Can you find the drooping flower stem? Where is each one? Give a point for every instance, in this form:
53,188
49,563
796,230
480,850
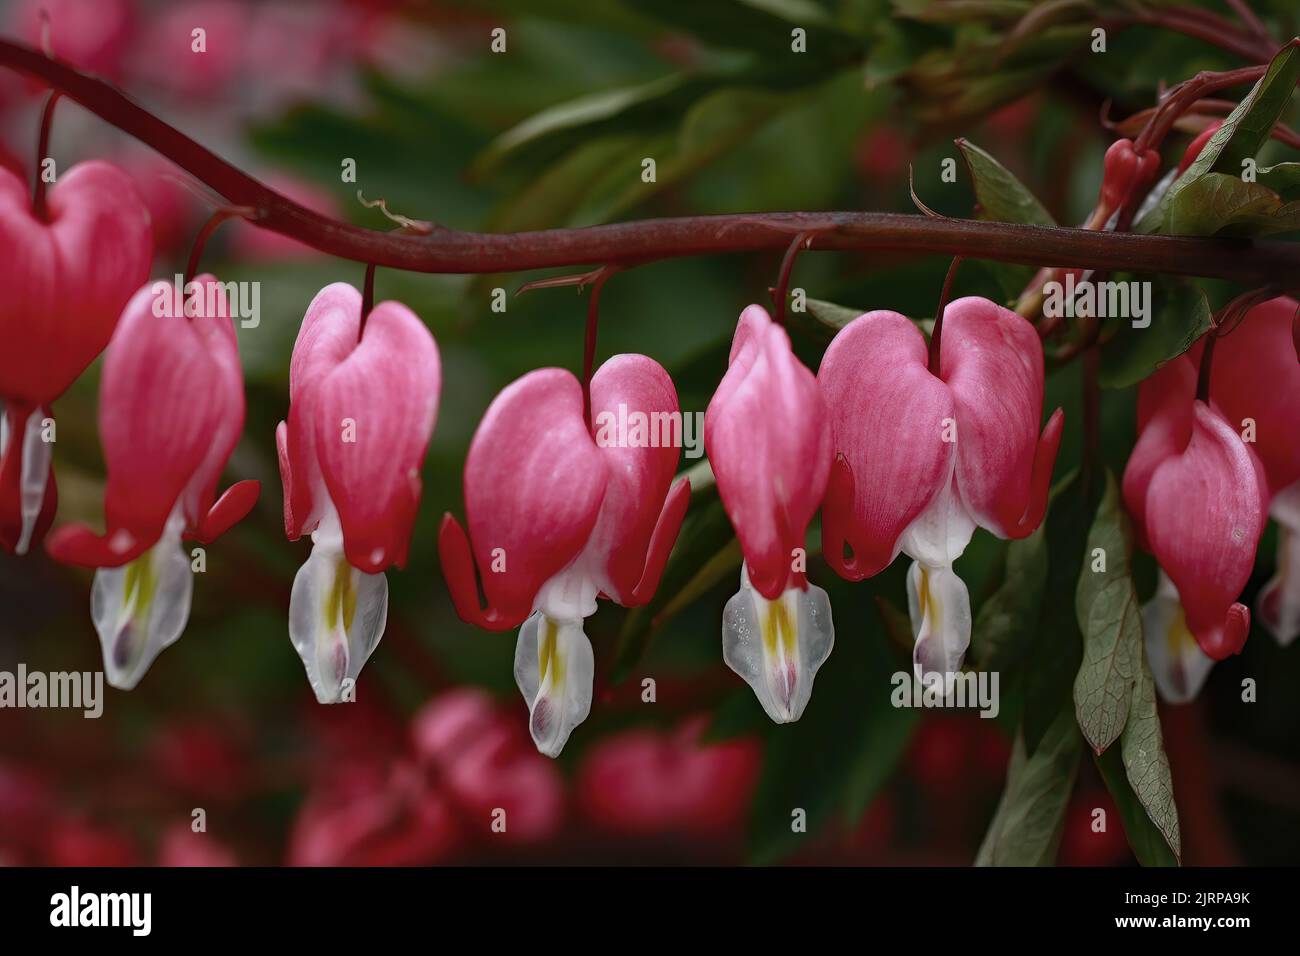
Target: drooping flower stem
937,334
1185,95
205,233
1223,322
589,339
367,298
781,292
42,150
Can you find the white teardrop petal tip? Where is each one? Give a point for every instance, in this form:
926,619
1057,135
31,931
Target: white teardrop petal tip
778,646
337,615
141,608
554,668
939,606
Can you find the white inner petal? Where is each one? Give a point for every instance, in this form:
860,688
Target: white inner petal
778,646
940,533
142,607
1278,604
570,594
34,474
554,668
337,614
939,606
1178,664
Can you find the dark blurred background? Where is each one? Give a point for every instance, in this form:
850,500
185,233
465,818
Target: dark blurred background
225,721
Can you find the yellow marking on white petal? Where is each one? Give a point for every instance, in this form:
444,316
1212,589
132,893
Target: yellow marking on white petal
138,589
780,632
341,599
548,654
1177,635
931,609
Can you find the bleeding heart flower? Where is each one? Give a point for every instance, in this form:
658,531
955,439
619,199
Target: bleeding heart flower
922,459
1199,467
66,278
1255,392
171,408
361,412
769,442
561,513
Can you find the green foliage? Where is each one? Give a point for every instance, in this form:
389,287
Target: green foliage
1180,314
1193,207
1001,196
1111,624
1026,829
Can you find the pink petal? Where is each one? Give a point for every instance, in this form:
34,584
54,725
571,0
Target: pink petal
1205,511
66,281
165,401
534,482
638,476
768,438
993,363
387,387
1164,429
888,417
1255,375
326,337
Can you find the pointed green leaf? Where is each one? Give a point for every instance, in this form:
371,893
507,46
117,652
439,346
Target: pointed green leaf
1241,136
1147,765
1027,826
1002,197
1144,838
1111,623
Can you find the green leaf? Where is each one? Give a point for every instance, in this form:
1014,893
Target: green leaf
1111,623
1241,136
1180,314
1027,826
761,27
1146,841
1002,197
1219,202
1006,623
1147,765
960,11
575,115
1282,178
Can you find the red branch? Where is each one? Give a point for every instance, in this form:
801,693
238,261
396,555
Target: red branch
452,251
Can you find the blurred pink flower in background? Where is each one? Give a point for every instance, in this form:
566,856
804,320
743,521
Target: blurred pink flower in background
181,846
669,782
471,758
1082,844
91,34
78,842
